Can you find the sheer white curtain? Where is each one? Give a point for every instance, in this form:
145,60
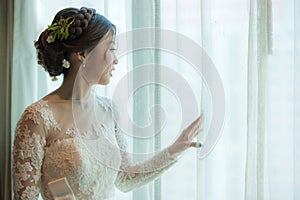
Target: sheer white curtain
262,99
273,102
257,156
282,105
221,28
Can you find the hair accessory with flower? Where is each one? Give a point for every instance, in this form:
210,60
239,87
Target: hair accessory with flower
59,30
54,78
65,64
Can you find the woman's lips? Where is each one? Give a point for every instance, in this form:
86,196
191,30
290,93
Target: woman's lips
110,72
112,69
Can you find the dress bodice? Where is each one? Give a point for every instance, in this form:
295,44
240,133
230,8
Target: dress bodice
45,149
87,176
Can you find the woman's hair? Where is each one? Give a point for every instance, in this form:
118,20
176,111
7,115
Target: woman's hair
86,28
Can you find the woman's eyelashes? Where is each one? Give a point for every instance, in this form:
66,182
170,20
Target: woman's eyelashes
113,52
113,47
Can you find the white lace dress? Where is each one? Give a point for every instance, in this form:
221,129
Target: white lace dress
45,150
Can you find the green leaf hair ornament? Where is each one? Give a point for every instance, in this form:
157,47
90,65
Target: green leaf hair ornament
54,78
59,30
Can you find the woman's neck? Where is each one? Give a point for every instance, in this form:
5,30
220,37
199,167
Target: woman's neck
74,86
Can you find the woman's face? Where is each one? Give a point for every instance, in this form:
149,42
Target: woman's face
110,60
100,62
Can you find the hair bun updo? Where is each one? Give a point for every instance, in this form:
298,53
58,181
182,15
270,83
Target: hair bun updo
85,29
81,22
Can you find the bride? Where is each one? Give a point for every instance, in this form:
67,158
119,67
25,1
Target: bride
72,133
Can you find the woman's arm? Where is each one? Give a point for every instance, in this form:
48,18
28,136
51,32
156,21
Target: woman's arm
132,175
28,153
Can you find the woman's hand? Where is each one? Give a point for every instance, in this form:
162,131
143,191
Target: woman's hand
185,140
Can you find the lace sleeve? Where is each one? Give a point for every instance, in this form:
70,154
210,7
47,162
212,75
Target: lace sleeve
132,175
28,154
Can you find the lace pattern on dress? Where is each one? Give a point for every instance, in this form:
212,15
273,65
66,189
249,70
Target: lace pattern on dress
35,164
28,153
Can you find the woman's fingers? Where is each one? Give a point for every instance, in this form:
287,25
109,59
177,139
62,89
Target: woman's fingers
196,121
194,128
194,124
196,144
196,132
185,139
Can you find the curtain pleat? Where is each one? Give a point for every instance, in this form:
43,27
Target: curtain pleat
205,13
259,45
296,114
296,121
26,85
157,95
6,46
264,25
144,15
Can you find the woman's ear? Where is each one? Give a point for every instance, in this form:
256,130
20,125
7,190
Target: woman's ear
81,55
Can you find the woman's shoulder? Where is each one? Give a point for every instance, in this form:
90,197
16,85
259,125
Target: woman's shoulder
38,115
36,107
35,112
